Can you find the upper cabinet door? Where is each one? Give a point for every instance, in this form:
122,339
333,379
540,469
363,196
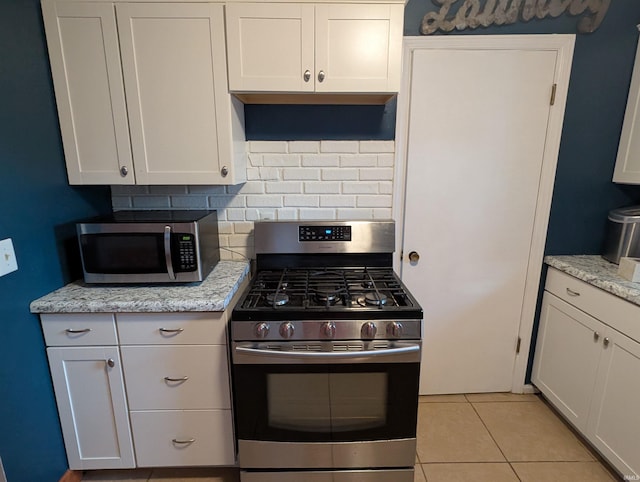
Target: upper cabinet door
358,48
85,63
627,170
173,59
270,47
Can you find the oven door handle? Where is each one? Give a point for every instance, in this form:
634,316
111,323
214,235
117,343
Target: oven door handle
410,353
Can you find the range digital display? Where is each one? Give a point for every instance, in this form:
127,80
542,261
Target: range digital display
324,233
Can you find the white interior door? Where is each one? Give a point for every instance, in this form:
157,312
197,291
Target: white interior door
476,149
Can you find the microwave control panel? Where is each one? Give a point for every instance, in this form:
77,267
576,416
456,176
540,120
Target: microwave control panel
186,252
324,233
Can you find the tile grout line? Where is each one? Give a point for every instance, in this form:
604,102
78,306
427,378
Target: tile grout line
494,440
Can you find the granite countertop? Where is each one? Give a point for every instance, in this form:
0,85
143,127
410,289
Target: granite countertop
213,294
599,272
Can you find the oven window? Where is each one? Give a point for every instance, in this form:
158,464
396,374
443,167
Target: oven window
327,402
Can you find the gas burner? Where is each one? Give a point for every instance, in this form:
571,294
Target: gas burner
279,299
373,299
327,295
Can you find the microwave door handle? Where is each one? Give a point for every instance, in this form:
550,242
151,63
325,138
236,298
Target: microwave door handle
167,252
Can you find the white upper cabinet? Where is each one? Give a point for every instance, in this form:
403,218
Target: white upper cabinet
627,170
321,48
179,124
85,64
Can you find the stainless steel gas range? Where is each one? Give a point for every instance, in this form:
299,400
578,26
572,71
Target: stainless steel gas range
326,357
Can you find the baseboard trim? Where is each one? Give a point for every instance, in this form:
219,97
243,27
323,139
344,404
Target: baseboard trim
529,388
71,476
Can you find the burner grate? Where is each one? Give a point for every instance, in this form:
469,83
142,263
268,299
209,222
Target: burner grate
326,288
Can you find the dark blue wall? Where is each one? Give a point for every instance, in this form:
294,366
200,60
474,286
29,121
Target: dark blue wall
36,207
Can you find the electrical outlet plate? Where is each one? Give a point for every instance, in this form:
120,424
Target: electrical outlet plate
8,262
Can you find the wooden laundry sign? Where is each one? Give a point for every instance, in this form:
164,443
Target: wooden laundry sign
471,14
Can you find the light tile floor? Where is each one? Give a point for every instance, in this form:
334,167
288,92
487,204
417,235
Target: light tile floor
461,438
500,437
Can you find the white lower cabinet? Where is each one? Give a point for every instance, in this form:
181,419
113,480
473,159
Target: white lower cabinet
92,405
161,387
588,369
614,421
183,437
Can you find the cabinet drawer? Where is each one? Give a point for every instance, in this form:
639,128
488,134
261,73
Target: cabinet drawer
172,328
612,310
176,377
79,329
206,436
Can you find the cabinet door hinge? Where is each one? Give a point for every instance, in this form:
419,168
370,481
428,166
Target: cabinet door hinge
554,88
518,345
401,255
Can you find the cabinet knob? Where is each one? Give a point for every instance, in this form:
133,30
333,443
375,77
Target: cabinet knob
606,341
124,171
321,76
111,363
414,257
224,171
596,336
307,75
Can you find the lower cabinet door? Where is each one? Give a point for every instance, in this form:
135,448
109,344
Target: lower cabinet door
614,422
166,438
92,405
566,358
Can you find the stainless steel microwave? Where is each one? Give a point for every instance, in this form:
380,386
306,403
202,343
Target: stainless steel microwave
149,246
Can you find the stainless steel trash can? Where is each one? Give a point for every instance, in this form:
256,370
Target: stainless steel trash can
622,237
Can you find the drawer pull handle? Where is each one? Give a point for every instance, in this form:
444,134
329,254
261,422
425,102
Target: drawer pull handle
181,379
183,442
596,336
606,341
73,331
171,331
570,292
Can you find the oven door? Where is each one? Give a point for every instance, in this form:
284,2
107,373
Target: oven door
326,406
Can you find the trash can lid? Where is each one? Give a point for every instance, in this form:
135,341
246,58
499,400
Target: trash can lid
630,214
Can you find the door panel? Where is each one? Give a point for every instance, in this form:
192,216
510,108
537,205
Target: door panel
174,99
85,64
356,47
614,422
476,144
270,47
92,407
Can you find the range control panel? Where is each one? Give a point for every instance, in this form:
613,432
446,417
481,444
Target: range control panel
324,233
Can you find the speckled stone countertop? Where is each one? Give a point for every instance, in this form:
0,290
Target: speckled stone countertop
213,294
599,272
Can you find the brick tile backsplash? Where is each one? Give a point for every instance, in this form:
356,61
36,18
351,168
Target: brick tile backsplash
286,180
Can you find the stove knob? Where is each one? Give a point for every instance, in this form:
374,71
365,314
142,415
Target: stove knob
286,330
261,330
394,329
368,330
328,329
